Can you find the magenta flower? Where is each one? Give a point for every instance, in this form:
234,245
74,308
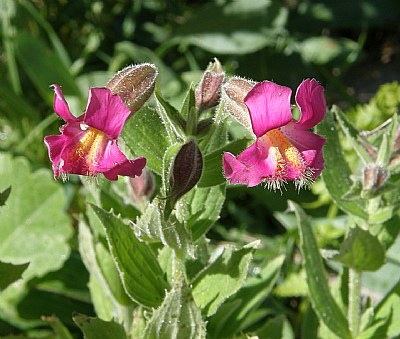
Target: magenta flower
283,150
87,145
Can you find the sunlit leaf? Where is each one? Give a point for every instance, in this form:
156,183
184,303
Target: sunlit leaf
94,328
323,303
337,173
34,226
361,251
140,272
223,277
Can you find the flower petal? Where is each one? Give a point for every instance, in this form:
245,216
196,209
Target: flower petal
73,158
250,167
61,106
106,112
309,144
55,145
129,168
269,107
311,100
114,163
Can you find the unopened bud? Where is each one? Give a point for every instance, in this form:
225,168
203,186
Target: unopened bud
233,93
142,186
134,84
186,170
374,177
208,91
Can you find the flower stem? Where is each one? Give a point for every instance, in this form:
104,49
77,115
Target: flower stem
354,301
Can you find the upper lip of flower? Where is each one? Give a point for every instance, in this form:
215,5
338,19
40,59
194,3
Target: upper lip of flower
87,144
284,149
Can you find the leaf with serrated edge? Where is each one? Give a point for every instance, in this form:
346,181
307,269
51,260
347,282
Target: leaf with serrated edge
140,272
323,303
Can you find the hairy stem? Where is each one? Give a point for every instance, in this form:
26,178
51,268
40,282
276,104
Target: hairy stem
354,301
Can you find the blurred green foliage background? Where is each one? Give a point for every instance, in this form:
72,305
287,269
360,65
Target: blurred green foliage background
350,47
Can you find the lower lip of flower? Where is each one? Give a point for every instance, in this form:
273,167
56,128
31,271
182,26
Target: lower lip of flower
285,153
90,148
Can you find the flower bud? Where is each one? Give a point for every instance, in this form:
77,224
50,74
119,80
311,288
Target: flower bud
233,93
374,177
208,91
142,186
186,170
134,84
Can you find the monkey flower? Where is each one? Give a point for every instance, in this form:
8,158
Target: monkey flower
87,145
284,149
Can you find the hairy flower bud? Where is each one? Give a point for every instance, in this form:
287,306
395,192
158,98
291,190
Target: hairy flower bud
142,186
186,170
374,177
134,84
208,91
233,93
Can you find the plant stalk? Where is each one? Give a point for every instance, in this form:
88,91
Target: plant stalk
354,301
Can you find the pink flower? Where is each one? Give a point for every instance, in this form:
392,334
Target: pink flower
87,145
283,150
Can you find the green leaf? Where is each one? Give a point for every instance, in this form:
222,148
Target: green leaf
172,113
377,330
323,303
35,58
222,278
294,285
4,195
352,135
145,135
140,272
34,226
200,208
336,174
60,330
95,328
212,171
388,141
189,112
276,328
232,315
237,27
108,294
177,317
389,308
10,273
170,122
361,251
323,49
